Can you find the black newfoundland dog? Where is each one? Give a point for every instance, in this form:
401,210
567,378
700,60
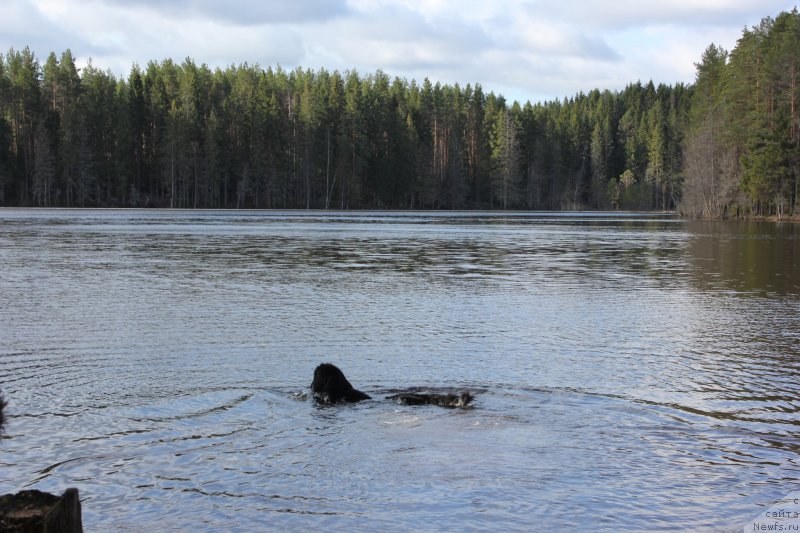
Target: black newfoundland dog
330,386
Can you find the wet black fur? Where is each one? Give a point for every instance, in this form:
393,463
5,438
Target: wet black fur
462,399
330,386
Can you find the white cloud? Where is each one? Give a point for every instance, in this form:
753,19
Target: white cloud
398,38
22,24
526,49
246,12
625,14
117,35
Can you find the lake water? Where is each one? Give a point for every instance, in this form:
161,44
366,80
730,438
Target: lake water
631,372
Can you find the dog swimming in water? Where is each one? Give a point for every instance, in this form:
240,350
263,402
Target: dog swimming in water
330,386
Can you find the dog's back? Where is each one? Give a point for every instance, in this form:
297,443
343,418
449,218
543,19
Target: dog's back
462,399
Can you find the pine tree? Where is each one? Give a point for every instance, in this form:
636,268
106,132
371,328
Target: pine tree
506,158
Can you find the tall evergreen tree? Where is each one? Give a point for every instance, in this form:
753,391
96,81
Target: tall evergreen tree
180,135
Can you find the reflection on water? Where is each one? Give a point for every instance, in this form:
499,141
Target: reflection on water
762,257
632,372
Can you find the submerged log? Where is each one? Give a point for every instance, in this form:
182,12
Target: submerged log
34,511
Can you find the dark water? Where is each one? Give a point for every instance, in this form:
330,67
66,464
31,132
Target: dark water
632,372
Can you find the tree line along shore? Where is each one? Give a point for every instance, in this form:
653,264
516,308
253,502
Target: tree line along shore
182,135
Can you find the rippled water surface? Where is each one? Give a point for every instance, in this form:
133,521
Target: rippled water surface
631,372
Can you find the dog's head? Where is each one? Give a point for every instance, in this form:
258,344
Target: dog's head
330,386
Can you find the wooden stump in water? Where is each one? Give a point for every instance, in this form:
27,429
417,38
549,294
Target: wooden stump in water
34,511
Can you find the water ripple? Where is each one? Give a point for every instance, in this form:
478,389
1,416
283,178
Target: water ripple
630,372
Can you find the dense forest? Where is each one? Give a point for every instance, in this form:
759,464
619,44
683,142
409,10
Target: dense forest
184,135
742,144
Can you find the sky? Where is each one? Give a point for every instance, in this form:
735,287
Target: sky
532,50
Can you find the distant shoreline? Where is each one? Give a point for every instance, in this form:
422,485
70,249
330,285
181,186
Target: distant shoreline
588,212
